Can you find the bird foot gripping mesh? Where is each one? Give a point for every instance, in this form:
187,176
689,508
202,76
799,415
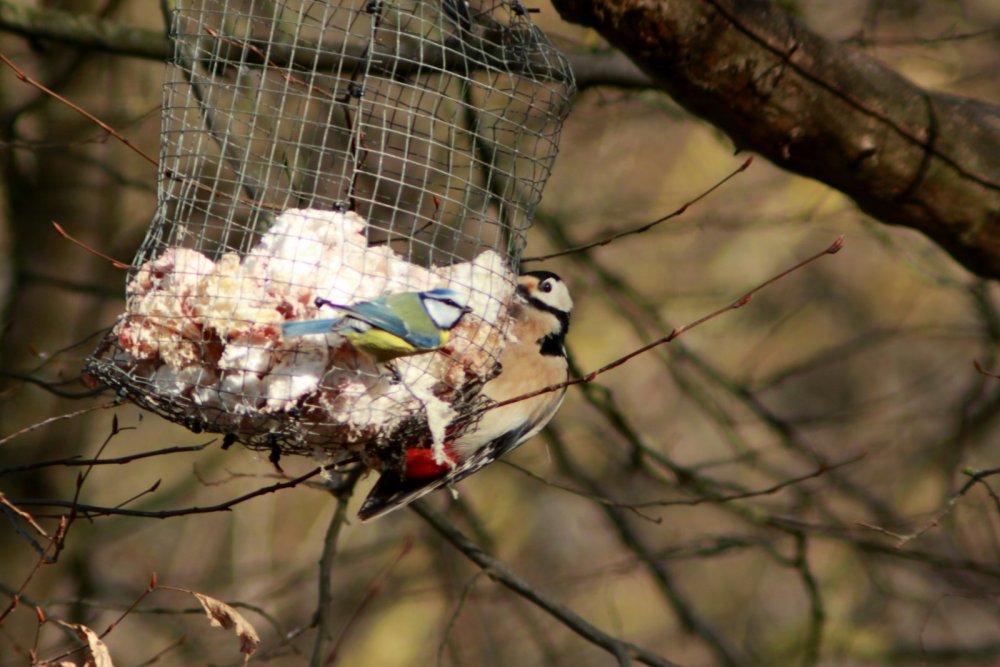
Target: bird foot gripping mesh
341,151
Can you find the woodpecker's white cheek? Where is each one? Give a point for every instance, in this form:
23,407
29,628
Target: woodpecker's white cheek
558,298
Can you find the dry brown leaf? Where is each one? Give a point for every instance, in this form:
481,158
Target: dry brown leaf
223,616
98,655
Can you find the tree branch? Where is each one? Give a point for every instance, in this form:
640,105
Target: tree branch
500,573
82,30
907,156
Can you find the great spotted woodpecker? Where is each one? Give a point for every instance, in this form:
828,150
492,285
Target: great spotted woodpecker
534,358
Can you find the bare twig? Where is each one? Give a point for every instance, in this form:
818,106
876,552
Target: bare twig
499,572
375,589
817,615
832,249
21,513
124,140
77,461
98,510
583,494
664,580
853,538
43,558
975,477
767,491
162,652
66,235
647,226
864,41
341,490
77,108
702,499
50,420
455,614
53,387
983,371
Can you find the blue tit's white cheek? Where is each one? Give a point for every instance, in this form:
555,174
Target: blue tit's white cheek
444,315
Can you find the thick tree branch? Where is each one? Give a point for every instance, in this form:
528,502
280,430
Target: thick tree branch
906,155
82,30
590,69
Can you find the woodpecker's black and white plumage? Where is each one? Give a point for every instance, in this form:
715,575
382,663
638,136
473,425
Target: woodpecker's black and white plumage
459,12
534,358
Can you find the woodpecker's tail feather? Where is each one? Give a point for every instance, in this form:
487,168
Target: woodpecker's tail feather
393,491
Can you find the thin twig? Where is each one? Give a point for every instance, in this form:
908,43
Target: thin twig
66,235
817,615
341,490
454,616
902,539
50,420
711,498
499,572
864,42
43,558
128,610
159,654
821,470
832,249
167,173
77,461
647,226
852,538
151,489
98,510
375,588
52,387
77,108
687,615
21,513
983,371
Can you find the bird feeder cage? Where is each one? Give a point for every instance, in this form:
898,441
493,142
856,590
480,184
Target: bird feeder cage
343,151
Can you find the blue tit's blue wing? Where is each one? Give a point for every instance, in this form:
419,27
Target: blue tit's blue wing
307,327
378,314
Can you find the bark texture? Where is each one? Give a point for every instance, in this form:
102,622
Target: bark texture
906,155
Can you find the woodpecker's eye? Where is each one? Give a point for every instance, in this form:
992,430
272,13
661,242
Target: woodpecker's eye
545,286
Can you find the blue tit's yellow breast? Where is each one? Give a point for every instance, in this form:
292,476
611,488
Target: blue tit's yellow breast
380,344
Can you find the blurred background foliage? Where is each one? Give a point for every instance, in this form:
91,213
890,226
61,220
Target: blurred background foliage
864,358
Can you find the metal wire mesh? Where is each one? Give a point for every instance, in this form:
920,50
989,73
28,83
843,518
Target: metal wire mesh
317,148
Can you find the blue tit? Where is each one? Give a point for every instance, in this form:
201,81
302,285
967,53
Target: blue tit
534,358
391,326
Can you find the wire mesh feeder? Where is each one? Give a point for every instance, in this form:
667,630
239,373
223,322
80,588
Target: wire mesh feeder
342,150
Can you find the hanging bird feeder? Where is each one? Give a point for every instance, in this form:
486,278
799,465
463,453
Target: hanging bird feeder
334,152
